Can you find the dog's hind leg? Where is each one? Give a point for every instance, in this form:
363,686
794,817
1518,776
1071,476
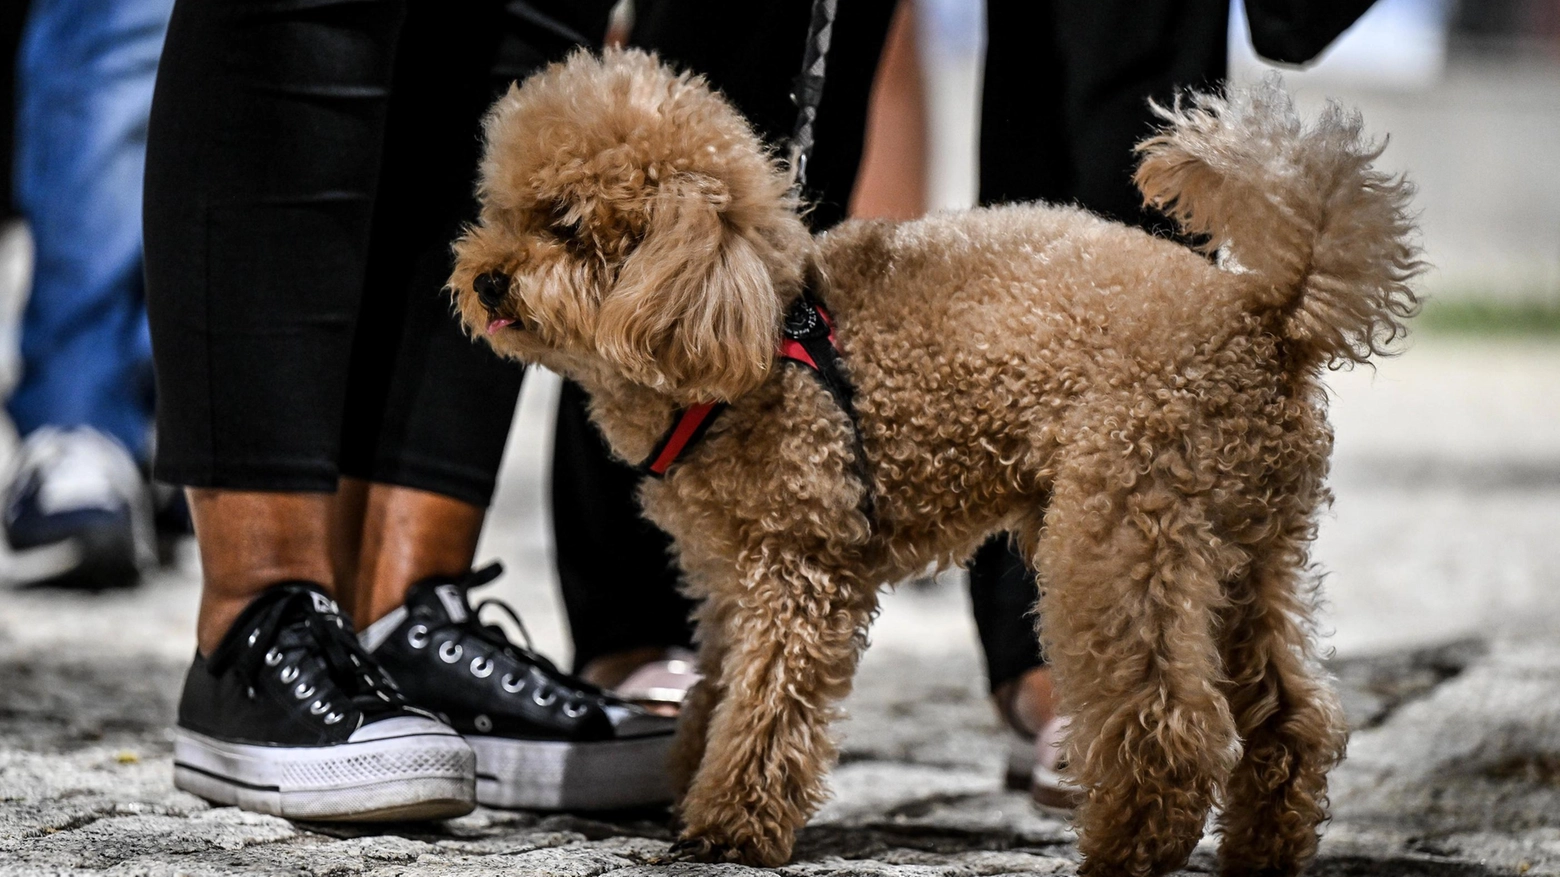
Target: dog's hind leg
1289,717
793,634
1132,590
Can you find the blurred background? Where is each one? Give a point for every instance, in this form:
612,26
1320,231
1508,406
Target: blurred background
1441,551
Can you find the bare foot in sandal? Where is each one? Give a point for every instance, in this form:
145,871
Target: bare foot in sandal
1034,762
657,678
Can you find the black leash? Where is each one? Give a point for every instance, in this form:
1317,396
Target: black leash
807,88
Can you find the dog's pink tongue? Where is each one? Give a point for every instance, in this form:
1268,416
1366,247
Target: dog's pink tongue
499,323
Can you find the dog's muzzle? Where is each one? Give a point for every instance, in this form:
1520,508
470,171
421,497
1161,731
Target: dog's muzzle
491,288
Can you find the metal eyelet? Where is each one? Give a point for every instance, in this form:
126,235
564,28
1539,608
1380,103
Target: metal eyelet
483,723
574,710
250,692
254,637
449,653
511,684
303,691
333,718
417,636
541,697
273,657
288,674
482,667
318,707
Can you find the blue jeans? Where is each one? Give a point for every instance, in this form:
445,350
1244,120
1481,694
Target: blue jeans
84,83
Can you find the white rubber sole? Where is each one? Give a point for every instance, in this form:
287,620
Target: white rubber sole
554,775
418,770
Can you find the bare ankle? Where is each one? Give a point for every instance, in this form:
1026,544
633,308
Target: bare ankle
1027,703
609,670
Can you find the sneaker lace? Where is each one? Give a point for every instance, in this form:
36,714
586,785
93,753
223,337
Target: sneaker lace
291,623
492,636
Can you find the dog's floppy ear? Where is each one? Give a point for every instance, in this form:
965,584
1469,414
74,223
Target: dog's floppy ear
694,311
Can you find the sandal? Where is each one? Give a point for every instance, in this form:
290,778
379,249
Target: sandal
660,685
1034,759
1049,786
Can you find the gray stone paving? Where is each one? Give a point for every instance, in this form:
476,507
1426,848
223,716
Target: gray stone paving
1444,608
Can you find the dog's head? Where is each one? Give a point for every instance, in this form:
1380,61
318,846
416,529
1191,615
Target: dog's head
630,220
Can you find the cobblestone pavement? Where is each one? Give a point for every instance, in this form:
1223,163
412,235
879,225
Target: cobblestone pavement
1444,612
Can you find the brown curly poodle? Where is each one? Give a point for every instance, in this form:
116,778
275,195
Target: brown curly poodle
1148,421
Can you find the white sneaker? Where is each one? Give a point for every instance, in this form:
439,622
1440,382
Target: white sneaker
77,511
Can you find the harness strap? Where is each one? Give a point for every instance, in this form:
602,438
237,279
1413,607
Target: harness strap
687,429
807,337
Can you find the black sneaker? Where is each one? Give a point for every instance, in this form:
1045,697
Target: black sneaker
77,512
544,740
290,716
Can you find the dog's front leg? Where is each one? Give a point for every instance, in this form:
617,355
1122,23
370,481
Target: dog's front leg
793,633
693,719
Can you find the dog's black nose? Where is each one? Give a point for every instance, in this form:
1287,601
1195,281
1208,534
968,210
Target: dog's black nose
491,289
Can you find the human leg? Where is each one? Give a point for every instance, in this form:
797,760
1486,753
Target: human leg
397,537
250,540
617,576
1022,158
86,74
262,158
428,410
76,502
1118,56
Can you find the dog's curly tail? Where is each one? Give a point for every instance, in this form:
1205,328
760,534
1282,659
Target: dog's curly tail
1326,238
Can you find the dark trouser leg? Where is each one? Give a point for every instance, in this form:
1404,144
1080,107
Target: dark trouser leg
1002,598
615,569
262,158
428,408
262,163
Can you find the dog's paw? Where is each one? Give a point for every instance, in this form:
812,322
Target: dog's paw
695,849
711,852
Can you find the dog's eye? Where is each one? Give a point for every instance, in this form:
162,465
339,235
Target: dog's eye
560,223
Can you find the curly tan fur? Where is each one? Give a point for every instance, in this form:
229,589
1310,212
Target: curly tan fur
1149,424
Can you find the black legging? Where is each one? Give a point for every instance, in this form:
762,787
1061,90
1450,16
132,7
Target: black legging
308,165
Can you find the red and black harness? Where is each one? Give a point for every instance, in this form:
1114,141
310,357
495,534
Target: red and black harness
806,337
